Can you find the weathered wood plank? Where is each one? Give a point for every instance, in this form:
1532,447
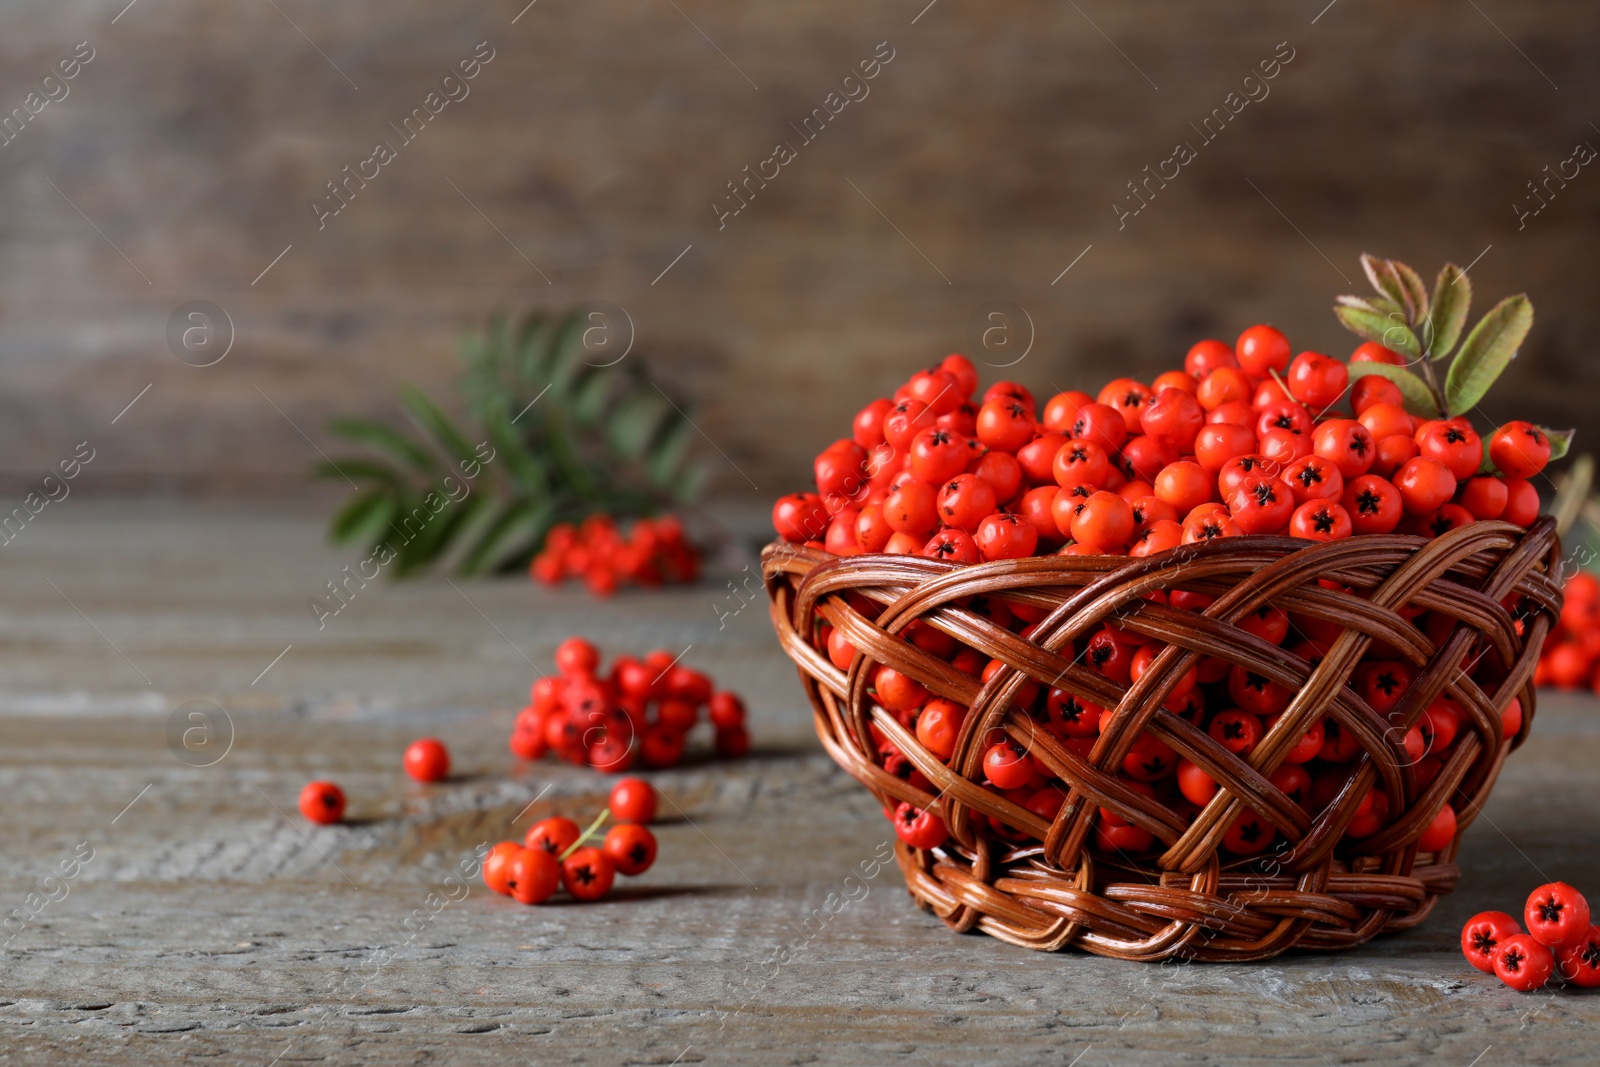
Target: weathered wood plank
208,926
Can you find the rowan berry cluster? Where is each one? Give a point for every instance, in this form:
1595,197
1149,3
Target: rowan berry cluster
638,712
652,552
554,854
1560,941
1571,656
1244,440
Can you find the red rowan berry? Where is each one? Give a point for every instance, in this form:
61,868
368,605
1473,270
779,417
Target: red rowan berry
588,873
322,802
1579,962
1373,504
1425,484
1205,357
1482,936
631,847
427,760
1556,914
1261,349
1523,963
531,875
1006,424
918,828
1519,449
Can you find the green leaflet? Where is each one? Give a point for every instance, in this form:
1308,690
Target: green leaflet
1388,330
1486,352
1452,297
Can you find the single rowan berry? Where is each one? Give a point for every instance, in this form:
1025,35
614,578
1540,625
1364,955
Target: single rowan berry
800,517
1579,962
1004,536
631,847
1248,834
1294,781
1003,473
1522,502
1080,463
1006,424
1129,397
588,873
964,501
322,802
1316,380
633,800
961,369
1370,389
1313,477
1261,349
938,726
1261,504
531,876
1347,444
1037,457
427,760
1175,415
1391,453
1185,485
1206,356
553,835
1373,504
1062,409
1104,521
1440,832
918,828
1519,449
1101,424
867,428
1453,444
1320,520
1484,497
953,546
1523,963
937,455
1217,443
1256,693
1482,936
1556,914
1425,485
1372,352
1237,731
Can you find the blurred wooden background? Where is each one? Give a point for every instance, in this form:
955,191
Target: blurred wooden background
591,149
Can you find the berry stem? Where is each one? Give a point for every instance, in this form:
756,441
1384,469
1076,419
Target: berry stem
599,820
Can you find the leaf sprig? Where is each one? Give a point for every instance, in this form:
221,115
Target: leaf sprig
1424,328
568,438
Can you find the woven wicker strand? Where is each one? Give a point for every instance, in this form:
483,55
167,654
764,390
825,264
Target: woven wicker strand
1187,898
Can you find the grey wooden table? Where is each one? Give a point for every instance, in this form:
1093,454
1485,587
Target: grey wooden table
211,924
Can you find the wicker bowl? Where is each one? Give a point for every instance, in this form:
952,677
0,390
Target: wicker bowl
1186,897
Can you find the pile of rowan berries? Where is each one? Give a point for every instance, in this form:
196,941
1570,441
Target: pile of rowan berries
652,552
1571,656
554,853
639,712
1243,440
1560,941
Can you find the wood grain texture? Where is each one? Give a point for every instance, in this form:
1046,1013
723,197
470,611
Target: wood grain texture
209,927
592,147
